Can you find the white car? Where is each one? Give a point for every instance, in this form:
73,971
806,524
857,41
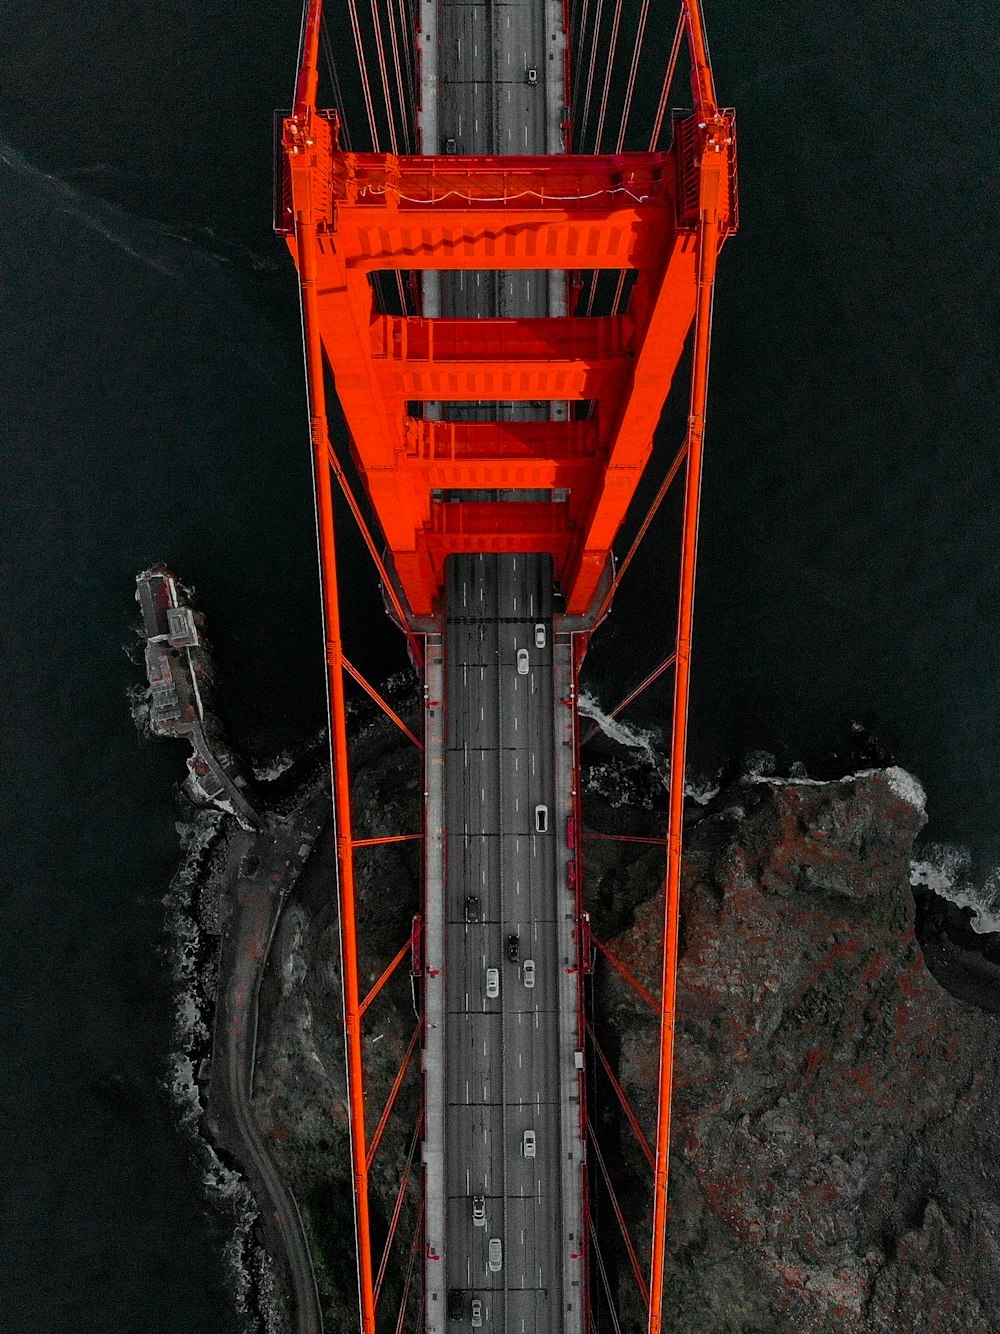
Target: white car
522,662
528,972
528,1144
495,1255
541,819
539,635
492,983
479,1211
477,1313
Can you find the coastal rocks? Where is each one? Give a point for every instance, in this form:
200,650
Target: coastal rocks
834,1117
300,1093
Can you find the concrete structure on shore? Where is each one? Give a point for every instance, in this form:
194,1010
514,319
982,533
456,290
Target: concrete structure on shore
180,674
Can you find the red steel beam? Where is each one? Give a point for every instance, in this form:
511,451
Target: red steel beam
623,565
393,1094
629,977
306,245
622,838
654,675
385,976
383,705
715,132
386,838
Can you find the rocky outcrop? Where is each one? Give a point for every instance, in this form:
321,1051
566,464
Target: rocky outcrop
300,1089
835,1114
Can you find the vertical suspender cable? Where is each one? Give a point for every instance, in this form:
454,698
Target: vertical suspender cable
331,64
404,128
384,72
598,14
581,38
407,37
612,53
668,79
363,68
633,71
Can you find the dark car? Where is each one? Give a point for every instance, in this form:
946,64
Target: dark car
513,948
472,909
456,1304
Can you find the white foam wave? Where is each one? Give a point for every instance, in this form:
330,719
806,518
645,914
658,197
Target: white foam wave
901,782
946,868
635,738
267,773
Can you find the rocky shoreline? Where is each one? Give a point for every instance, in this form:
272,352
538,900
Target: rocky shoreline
834,1111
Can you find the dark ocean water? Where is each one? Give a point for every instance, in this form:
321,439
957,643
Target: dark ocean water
152,408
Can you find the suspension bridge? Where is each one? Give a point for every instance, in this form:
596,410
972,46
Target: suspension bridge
506,248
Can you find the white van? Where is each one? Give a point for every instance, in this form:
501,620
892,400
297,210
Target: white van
492,983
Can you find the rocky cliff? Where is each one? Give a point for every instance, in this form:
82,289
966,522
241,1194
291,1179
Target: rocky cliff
835,1112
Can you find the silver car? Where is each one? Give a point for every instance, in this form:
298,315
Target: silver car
495,1255
477,1313
528,972
479,1211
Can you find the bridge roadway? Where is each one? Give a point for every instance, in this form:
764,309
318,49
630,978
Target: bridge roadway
502,1053
494,1067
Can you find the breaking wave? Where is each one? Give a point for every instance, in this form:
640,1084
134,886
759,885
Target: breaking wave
635,738
247,1265
946,868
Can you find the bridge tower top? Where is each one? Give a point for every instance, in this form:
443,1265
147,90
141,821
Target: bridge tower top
562,485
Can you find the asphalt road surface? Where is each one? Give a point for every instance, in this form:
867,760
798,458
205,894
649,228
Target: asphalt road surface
502,1053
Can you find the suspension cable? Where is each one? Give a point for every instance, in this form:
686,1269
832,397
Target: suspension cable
629,976
404,129
598,15
386,708
384,75
578,63
633,1258
633,1120
604,1278
359,47
331,65
612,54
665,485
394,1092
387,973
409,1269
616,305
668,79
369,541
398,1209
654,675
407,42
633,72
